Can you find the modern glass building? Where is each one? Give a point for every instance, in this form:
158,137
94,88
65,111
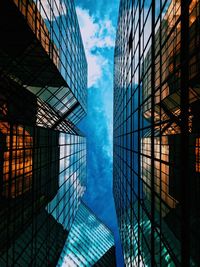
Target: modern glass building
43,94
89,243
46,56
156,132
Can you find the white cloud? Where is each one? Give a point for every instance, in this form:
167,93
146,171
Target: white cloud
95,64
96,34
58,8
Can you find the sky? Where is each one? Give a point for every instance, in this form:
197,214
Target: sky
98,21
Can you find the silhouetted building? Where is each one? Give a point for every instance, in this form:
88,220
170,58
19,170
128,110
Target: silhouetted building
43,92
108,259
89,243
39,244
156,132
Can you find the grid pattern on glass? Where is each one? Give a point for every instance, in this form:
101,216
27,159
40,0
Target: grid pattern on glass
42,182
37,111
47,117
43,84
51,61
72,179
89,239
156,107
16,143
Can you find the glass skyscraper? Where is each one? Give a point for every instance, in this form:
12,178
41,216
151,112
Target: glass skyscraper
90,242
156,180
46,56
43,94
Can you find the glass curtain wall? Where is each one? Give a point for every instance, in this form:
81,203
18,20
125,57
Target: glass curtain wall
156,132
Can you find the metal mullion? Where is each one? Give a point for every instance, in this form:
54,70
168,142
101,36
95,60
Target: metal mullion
184,172
139,136
160,137
153,261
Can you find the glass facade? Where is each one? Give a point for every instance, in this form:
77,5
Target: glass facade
50,62
156,132
88,242
43,80
43,177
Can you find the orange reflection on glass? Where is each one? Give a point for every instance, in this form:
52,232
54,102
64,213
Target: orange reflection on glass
197,153
194,11
37,24
161,170
16,156
173,12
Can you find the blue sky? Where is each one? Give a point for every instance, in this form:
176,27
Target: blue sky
98,20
